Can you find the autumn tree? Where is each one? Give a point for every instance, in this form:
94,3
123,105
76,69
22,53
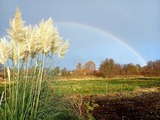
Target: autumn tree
89,67
56,71
157,67
131,69
118,69
152,68
107,68
79,69
139,69
64,72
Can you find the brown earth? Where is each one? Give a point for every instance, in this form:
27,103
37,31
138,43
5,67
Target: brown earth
133,106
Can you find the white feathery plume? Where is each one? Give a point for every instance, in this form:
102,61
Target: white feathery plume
32,40
41,35
49,37
63,49
56,41
4,50
28,42
13,52
16,31
17,51
22,51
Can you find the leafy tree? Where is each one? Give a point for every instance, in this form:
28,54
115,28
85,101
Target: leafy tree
118,69
152,68
131,69
64,72
89,67
56,71
157,67
107,68
79,69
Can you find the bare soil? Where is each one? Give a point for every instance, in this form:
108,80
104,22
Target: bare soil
132,106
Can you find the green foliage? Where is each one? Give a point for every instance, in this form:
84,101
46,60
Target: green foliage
131,69
107,68
92,87
54,106
89,106
56,71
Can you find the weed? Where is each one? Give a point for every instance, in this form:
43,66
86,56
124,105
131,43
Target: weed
89,106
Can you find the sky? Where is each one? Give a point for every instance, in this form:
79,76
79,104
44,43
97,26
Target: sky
125,30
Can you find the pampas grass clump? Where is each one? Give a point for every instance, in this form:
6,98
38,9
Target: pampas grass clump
27,47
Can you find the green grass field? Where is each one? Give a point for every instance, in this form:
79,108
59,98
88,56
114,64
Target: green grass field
94,87
62,108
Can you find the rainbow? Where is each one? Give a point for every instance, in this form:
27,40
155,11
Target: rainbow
121,41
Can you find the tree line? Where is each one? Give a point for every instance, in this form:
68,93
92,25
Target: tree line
109,68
